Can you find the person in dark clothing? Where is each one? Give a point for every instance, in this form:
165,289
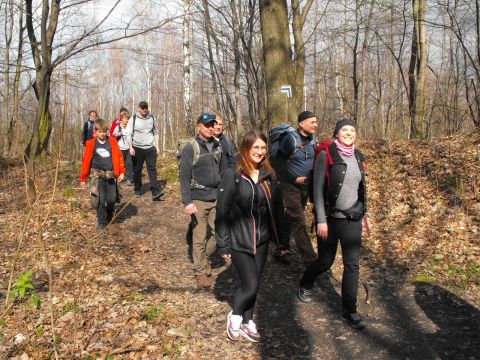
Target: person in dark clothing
340,204
225,142
199,182
295,159
249,206
88,131
103,159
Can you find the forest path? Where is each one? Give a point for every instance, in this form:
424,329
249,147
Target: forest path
404,319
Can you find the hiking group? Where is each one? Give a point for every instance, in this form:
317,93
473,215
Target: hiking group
239,202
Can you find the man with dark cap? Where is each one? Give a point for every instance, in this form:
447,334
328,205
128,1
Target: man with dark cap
201,164
142,136
296,154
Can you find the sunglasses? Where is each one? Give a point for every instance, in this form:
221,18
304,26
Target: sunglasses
209,117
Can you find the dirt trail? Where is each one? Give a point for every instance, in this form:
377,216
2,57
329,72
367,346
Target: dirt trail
139,298
147,258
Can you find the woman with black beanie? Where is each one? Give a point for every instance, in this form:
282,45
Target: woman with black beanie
340,205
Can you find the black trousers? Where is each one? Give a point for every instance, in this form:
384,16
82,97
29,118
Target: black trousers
249,268
127,158
107,194
148,156
350,235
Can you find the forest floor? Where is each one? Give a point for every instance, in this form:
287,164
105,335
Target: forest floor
130,292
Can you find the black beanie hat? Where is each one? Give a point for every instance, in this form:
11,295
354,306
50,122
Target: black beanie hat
304,115
341,123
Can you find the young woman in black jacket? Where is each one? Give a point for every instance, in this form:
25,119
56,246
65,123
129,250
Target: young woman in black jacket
248,205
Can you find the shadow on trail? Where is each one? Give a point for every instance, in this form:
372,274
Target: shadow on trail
457,336
431,323
128,212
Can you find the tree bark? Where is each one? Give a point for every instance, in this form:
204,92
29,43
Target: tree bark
417,70
186,68
236,80
278,66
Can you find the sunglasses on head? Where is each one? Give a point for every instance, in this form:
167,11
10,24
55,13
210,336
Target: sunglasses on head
209,117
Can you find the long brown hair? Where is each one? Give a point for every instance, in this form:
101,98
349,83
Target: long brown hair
245,162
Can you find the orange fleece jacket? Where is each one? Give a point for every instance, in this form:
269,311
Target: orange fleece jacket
117,158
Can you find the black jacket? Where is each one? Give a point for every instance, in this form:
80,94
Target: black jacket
248,214
337,175
87,131
206,172
228,151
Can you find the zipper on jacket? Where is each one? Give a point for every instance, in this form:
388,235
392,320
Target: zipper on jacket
253,218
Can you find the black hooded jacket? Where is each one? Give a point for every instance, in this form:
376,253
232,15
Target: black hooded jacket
248,214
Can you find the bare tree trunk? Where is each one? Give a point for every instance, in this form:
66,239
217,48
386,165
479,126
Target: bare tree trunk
16,83
9,21
417,70
187,68
211,61
236,80
278,66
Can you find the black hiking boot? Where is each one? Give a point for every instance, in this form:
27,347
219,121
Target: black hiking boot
305,295
354,320
158,196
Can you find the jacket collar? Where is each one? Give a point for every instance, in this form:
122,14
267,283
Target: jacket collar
263,173
204,142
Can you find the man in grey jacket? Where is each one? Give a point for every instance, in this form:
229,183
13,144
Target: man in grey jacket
142,136
199,185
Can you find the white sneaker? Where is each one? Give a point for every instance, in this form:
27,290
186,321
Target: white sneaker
233,326
249,331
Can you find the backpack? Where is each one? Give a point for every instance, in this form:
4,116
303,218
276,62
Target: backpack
320,147
181,145
275,136
133,125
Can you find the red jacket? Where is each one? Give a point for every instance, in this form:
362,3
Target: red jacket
114,125
117,158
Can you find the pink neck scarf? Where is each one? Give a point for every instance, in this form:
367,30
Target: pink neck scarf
345,150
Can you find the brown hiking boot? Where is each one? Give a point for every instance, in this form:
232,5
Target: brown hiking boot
208,269
202,281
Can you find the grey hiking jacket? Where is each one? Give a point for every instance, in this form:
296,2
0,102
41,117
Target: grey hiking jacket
145,133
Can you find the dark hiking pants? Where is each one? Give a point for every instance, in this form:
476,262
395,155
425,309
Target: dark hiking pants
148,156
295,200
350,235
107,193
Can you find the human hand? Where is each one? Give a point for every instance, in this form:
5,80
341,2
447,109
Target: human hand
366,225
226,256
121,177
301,180
190,209
82,185
322,231
132,151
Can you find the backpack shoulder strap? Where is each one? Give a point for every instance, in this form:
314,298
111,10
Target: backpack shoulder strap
133,125
154,126
196,150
